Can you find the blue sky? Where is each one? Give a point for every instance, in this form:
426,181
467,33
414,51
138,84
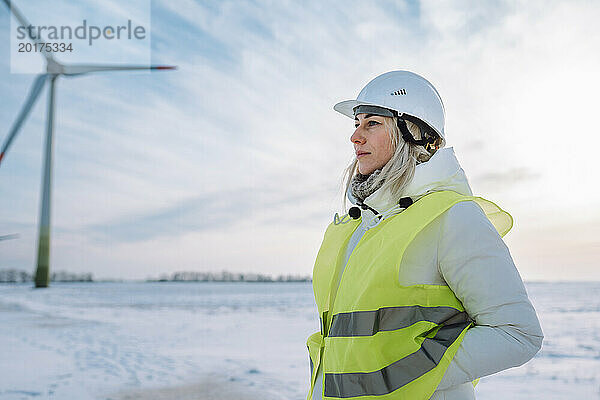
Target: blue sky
234,160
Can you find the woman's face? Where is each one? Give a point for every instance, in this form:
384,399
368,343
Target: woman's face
372,143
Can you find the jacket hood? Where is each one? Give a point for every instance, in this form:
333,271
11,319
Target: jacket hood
441,172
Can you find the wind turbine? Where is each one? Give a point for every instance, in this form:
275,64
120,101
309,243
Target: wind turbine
54,69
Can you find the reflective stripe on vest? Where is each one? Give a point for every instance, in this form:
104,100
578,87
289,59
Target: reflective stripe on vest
379,338
398,374
367,323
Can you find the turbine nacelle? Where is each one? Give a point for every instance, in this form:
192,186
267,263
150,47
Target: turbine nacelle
54,67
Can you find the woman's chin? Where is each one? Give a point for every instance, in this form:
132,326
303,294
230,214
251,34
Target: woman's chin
365,170
361,168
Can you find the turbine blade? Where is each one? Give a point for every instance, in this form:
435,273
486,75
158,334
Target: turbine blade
77,69
15,11
34,93
8,237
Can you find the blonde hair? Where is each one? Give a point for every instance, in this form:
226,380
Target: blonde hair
400,169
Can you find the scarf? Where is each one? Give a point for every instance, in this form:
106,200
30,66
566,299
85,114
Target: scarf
362,186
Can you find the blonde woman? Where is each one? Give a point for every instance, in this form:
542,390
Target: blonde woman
417,293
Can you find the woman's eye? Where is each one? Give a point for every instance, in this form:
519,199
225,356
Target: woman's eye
369,123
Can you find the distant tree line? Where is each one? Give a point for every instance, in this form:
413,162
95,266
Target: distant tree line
225,276
20,276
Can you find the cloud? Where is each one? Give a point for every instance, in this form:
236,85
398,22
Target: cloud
212,212
508,178
243,133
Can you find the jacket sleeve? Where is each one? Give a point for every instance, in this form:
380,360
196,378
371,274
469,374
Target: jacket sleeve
476,264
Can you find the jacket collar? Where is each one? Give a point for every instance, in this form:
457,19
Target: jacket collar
441,172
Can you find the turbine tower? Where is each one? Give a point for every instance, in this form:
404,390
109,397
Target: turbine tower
54,69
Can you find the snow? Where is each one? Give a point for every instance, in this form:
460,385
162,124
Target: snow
236,340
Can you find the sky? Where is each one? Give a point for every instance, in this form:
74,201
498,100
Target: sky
234,161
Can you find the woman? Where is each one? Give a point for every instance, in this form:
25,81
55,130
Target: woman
417,293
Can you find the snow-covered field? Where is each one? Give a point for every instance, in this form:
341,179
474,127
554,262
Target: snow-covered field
236,340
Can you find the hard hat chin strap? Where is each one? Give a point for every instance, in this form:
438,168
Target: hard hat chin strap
429,137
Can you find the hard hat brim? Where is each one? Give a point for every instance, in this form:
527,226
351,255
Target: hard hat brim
346,107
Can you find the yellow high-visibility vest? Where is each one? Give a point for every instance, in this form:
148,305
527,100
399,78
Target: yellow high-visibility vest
379,339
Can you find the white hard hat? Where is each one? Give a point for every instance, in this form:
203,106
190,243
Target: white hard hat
404,92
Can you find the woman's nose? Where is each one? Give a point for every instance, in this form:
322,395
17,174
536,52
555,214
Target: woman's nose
357,137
